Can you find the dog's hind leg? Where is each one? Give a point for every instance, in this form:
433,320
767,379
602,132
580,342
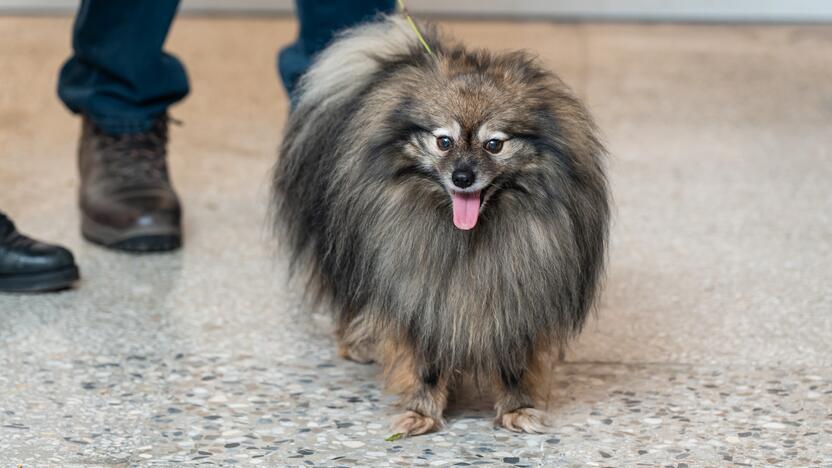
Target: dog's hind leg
356,341
423,389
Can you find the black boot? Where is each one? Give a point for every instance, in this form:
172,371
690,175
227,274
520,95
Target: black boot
27,265
127,199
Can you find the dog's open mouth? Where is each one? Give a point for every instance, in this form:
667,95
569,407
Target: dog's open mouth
466,207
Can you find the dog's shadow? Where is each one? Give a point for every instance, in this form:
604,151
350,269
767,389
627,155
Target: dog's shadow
572,387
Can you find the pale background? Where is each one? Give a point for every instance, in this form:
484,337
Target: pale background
687,10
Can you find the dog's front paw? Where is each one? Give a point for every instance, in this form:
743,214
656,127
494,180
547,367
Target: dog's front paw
529,420
411,423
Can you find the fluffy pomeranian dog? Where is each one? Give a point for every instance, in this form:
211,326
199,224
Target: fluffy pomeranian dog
451,207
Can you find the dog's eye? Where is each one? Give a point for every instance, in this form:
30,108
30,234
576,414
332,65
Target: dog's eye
444,143
494,146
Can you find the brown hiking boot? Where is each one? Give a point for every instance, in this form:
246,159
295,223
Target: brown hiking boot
127,200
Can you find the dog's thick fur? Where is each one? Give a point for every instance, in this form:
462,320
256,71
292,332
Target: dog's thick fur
362,202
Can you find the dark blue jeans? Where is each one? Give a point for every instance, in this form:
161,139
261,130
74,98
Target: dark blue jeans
120,77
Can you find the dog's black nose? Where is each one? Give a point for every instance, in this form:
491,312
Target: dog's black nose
463,178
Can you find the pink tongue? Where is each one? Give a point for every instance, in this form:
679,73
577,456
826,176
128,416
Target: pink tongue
466,209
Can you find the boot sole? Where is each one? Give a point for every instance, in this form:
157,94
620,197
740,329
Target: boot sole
53,280
135,240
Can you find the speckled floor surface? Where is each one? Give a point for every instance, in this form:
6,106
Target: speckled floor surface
712,347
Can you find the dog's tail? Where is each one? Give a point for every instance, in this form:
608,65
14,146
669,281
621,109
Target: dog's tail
356,55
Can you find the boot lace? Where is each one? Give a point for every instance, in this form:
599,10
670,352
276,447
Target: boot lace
137,158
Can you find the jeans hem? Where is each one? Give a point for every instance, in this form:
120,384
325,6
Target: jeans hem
120,126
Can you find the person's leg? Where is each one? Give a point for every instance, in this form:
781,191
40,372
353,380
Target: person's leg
122,83
319,21
118,75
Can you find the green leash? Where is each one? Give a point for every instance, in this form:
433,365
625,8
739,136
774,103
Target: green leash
415,28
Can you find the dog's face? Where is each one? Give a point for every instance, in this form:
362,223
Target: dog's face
475,129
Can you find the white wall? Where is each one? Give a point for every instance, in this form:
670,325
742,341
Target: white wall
692,10
686,10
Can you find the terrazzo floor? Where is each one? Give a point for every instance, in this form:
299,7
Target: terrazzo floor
712,345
